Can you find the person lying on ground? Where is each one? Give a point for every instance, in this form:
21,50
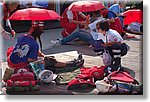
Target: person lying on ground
135,28
27,50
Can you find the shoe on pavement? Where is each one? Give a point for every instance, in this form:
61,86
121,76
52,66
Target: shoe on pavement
56,42
76,62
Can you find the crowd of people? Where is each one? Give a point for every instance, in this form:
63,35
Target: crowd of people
105,25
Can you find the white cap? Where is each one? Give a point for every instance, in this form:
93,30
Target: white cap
47,76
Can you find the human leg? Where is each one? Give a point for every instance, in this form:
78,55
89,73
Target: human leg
116,53
52,63
69,28
82,35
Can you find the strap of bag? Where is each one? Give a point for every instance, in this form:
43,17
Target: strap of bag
106,41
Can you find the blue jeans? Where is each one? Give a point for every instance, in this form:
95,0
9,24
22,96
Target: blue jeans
81,34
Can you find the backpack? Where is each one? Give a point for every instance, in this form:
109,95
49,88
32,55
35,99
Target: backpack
124,49
86,78
107,59
21,81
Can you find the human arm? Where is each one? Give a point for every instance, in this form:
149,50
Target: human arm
110,20
110,43
111,17
40,54
71,16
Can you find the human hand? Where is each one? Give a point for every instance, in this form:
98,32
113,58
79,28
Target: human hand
83,23
6,35
13,33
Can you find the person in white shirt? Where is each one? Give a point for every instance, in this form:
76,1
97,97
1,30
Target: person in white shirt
135,28
88,34
113,42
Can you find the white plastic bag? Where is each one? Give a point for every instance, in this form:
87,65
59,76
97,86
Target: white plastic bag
107,59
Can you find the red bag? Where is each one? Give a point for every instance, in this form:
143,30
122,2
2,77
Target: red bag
96,72
20,83
79,83
23,76
122,76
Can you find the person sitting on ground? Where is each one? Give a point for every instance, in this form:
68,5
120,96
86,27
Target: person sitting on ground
39,29
88,34
135,28
27,50
118,9
113,42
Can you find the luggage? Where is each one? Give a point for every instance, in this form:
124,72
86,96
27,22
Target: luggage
21,89
7,74
96,72
122,76
81,82
21,81
11,83
26,76
86,78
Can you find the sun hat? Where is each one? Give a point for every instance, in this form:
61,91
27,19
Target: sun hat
47,76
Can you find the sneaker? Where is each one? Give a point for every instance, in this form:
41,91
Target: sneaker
79,56
56,42
75,63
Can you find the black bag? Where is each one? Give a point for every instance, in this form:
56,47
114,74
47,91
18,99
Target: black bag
124,49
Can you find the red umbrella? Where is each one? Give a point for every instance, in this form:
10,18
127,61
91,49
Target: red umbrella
34,14
135,15
86,6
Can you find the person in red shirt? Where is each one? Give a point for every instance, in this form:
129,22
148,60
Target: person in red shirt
71,20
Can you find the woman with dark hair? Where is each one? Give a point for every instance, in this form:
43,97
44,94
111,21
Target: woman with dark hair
113,42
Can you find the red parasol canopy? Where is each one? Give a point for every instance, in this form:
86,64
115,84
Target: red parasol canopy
86,6
34,14
135,15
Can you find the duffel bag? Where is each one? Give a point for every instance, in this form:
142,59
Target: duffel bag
23,76
10,89
20,83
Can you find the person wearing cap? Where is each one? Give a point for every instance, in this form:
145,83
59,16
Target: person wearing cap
40,25
27,50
